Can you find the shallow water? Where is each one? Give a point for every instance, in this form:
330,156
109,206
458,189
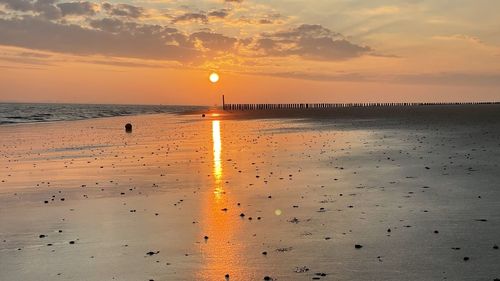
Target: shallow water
21,113
319,188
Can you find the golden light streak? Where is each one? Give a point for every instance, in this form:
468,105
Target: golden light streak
217,158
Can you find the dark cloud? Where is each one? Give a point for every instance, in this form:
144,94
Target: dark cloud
50,9
18,5
191,17
214,41
127,40
222,13
265,21
313,42
123,10
45,8
77,8
201,16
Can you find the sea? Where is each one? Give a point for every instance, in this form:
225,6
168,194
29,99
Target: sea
19,113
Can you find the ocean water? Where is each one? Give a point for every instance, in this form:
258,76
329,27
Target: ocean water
16,113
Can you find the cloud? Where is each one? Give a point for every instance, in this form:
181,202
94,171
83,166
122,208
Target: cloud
345,77
313,42
123,30
459,37
49,9
191,17
222,13
123,10
214,41
120,39
200,16
77,8
18,5
450,78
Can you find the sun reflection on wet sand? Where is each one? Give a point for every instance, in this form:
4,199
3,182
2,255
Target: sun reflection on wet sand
217,160
219,253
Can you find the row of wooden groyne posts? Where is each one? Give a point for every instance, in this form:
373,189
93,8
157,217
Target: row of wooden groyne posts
269,106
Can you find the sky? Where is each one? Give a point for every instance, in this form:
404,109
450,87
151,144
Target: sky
266,51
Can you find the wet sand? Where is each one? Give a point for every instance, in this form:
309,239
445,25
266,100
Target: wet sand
355,196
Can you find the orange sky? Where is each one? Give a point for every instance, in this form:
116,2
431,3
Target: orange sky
265,51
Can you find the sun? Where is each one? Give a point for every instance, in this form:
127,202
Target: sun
214,77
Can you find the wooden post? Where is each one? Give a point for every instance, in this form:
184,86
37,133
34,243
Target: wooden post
223,103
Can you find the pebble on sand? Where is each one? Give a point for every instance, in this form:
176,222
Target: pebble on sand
357,246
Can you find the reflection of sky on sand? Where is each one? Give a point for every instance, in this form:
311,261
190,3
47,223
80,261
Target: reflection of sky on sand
218,252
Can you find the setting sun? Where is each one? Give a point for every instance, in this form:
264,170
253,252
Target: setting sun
214,77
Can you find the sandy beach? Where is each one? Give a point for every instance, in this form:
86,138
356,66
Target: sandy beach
355,195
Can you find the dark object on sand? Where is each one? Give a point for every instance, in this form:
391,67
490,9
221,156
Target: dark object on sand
128,128
267,278
357,246
466,258
203,115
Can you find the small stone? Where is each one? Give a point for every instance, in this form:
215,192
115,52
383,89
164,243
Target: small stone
42,236
206,237
264,253
71,242
242,215
495,247
357,246
466,258
267,278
